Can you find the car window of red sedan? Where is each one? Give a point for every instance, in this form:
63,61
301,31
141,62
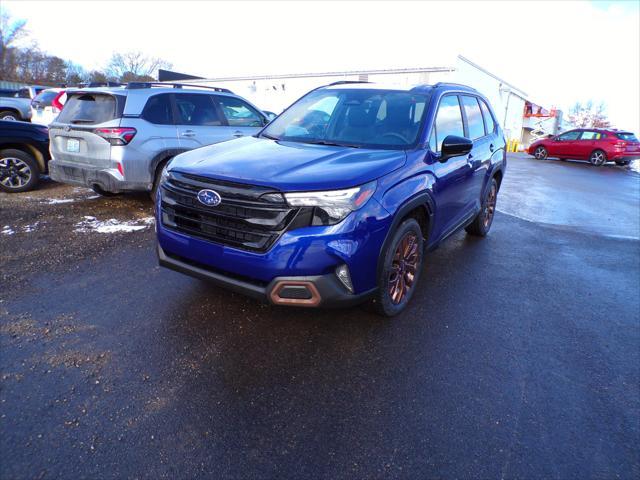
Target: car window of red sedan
568,136
590,136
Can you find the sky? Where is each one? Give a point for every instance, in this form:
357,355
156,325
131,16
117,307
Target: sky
558,52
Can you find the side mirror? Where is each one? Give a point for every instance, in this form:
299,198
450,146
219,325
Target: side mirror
454,146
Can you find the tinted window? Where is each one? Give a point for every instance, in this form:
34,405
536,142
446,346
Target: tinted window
197,109
590,136
239,113
158,110
448,120
45,98
490,124
567,137
628,136
474,117
89,108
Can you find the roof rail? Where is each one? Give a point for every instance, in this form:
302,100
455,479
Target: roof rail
441,84
346,82
99,84
139,85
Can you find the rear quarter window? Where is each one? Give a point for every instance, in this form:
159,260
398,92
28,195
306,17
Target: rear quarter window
91,108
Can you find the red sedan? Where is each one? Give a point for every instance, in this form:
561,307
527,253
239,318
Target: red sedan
598,146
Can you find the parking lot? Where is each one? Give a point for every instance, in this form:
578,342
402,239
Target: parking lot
517,358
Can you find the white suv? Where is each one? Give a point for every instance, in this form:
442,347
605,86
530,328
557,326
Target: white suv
119,139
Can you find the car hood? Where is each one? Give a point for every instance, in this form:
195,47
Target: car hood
288,166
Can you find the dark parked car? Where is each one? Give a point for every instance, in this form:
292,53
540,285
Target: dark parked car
24,154
334,202
593,144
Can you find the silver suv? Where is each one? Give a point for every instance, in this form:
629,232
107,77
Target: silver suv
119,139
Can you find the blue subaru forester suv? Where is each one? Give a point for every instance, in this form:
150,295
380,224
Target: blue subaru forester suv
336,200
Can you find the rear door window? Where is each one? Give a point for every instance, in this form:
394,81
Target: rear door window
159,110
239,113
197,109
448,120
475,123
489,123
588,135
90,108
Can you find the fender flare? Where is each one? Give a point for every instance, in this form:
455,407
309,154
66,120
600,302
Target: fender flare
162,157
422,199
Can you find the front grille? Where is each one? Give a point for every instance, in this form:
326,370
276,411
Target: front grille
248,217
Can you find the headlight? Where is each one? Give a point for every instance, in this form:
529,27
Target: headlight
332,206
164,175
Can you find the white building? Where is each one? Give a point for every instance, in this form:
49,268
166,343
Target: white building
276,92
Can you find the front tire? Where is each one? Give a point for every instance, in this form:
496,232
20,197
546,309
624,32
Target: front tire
19,171
598,158
540,153
400,272
483,221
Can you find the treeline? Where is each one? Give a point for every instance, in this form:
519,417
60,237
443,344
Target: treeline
29,64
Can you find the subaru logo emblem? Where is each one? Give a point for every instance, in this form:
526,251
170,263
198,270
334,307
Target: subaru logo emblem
209,198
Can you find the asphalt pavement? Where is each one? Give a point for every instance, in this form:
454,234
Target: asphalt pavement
518,357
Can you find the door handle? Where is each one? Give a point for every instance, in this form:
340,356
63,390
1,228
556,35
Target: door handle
238,133
188,133
491,147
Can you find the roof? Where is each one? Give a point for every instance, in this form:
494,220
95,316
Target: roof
416,88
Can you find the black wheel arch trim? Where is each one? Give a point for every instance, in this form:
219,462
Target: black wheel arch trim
422,199
163,156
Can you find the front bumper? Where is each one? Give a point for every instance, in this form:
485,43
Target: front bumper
108,179
309,255
303,291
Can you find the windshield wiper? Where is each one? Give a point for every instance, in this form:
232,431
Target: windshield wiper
332,144
269,136
81,120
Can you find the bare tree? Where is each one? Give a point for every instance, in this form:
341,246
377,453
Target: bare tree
588,116
134,66
10,31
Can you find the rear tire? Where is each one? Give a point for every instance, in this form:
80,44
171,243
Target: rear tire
598,158
400,272
483,221
540,153
10,115
19,171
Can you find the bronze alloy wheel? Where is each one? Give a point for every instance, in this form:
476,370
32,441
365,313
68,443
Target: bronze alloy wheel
490,205
402,273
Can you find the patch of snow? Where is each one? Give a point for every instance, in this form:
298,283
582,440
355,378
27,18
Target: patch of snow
55,201
92,224
30,228
7,230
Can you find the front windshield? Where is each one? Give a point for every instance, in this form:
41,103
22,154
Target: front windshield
353,118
